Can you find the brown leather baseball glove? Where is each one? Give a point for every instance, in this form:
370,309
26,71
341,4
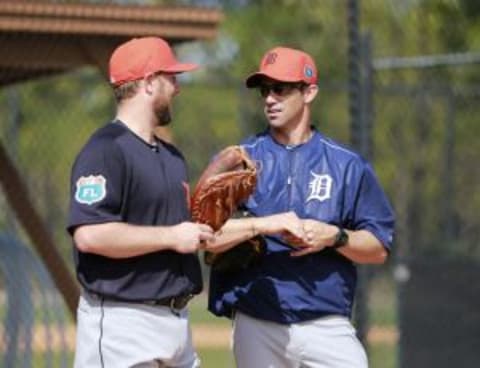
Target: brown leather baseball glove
226,182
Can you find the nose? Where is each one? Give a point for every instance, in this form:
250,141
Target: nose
174,81
176,86
270,99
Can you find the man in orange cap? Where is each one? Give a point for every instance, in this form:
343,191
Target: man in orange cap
135,247
321,210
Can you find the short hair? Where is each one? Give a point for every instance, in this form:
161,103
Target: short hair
126,90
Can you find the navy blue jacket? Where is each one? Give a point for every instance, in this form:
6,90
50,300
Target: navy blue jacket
319,180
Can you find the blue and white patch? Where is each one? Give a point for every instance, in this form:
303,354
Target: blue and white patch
91,189
308,71
320,187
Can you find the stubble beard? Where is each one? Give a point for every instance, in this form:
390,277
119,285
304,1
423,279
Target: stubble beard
163,114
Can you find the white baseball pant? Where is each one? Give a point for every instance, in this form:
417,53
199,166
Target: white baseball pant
126,335
328,342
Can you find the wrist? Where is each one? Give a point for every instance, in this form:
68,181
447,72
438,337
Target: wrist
341,239
166,238
253,228
258,225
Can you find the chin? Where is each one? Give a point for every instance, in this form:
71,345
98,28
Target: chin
276,123
164,117
163,122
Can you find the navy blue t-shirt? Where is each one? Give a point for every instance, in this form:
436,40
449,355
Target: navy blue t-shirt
318,180
118,177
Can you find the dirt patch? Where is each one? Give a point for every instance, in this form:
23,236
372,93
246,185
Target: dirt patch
204,336
208,336
383,335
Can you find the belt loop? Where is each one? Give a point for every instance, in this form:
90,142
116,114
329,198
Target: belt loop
173,309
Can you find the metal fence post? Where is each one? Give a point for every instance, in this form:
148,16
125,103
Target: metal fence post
361,124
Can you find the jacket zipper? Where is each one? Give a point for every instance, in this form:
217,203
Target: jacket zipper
291,170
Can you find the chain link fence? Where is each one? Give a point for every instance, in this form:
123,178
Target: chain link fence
423,136
42,125
36,326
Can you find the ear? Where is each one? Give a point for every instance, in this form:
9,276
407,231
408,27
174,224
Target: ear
148,82
310,92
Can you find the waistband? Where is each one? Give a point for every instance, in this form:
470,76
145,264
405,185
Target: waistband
175,303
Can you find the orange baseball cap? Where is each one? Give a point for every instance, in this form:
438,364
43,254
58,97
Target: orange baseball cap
285,65
141,57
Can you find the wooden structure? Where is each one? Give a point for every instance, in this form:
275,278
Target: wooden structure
45,38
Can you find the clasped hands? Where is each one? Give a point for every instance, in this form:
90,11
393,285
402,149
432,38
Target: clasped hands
308,235
305,235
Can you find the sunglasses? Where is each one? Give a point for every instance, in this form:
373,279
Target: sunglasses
279,89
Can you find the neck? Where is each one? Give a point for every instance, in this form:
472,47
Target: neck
293,133
292,138
138,120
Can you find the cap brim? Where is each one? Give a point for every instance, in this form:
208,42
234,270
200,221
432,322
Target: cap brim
255,79
180,68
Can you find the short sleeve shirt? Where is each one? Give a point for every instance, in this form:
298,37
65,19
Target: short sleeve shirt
118,177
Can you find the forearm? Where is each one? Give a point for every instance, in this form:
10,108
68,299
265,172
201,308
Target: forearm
363,248
236,231
232,233
120,240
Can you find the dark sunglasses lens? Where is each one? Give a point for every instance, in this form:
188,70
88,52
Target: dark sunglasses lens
264,91
278,89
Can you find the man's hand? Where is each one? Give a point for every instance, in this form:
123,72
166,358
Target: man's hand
239,230
316,236
282,223
188,237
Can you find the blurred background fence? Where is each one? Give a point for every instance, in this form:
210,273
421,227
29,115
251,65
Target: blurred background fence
416,83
